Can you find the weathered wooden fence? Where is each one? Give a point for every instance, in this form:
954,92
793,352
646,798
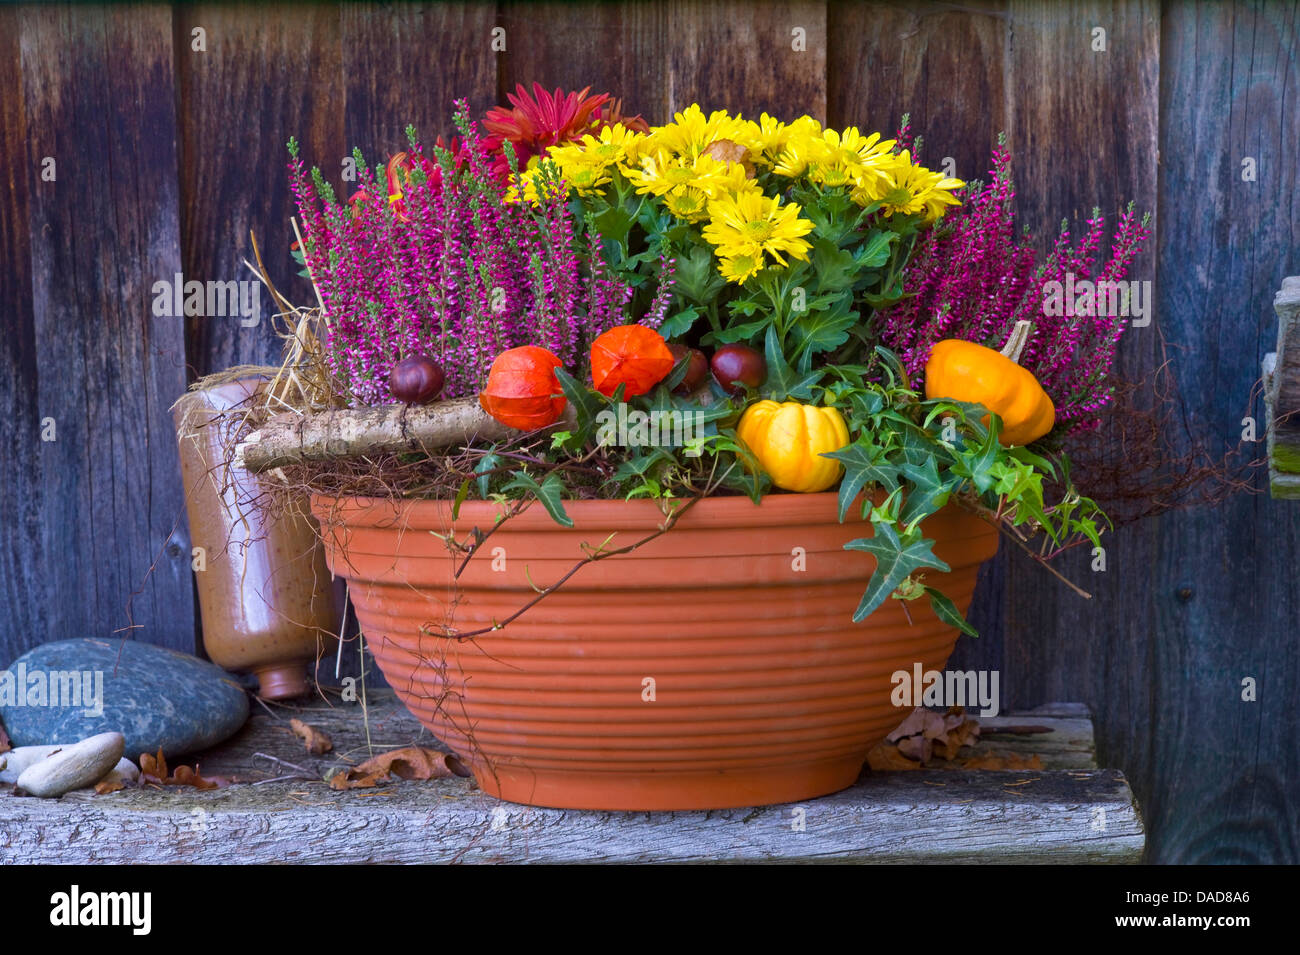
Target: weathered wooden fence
143,141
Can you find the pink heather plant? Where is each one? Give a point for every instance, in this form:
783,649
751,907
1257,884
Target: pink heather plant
971,279
450,269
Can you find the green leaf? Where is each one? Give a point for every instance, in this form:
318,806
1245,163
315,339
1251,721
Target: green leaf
548,492
613,223
928,492
824,330
679,323
947,611
896,560
460,499
977,464
487,463
875,251
742,332
835,267
697,277
864,463
780,376
586,405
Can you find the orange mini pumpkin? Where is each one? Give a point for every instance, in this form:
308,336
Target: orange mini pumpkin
630,355
966,371
522,390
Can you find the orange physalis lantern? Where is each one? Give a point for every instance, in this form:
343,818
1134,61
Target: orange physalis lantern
630,355
522,390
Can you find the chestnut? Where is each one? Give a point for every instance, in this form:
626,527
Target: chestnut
737,367
416,380
696,368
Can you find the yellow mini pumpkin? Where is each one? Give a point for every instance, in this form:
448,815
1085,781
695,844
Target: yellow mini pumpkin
789,438
966,371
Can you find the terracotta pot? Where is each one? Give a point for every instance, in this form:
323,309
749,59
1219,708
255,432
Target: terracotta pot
265,594
764,690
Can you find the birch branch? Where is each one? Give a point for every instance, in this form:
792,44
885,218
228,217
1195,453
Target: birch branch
360,432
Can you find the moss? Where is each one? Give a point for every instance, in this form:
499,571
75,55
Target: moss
1286,458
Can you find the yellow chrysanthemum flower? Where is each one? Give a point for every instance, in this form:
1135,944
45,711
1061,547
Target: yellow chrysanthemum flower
688,203
804,145
687,185
738,268
750,225
691,132
849,156
908,189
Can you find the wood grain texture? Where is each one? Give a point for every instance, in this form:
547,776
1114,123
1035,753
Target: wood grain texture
268,73
1051,818
1070,812
97,84
619,48
1226,593
943,64
741,56
24,589
406,64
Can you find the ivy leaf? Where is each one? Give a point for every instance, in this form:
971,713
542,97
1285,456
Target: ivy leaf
947,611
978,465
896,560
548,492
897,373
928,492
864,463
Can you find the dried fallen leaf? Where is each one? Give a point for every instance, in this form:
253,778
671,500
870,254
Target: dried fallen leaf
106,786
411,762
914,723
916,747
5,744
153,769
317,741
885,757
933,726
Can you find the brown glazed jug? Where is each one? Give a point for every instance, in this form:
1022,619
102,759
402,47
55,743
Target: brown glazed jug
265,593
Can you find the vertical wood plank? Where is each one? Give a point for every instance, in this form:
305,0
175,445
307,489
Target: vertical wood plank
1227,595
1083,133
743,57
615,48
23,586
268,73
98,96
944,65
407,64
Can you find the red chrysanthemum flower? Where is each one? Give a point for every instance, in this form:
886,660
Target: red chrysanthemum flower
544,119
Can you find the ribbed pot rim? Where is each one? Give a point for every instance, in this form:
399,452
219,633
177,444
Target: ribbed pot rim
775,510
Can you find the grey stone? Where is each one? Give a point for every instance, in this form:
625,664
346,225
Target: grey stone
59,693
